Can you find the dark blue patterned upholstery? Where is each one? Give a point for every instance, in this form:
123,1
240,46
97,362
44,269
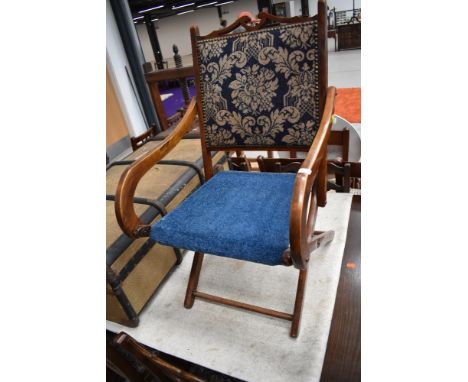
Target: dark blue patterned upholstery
242,215
261,88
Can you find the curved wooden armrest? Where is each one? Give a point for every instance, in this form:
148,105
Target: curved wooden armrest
124,209
310,186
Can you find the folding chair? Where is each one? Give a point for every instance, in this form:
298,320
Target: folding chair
263,89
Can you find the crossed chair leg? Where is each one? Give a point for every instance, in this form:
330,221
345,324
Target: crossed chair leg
317,240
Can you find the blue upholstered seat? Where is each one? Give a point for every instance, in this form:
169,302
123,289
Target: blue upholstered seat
242,215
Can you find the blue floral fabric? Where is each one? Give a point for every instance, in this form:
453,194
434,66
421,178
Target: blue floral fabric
261,88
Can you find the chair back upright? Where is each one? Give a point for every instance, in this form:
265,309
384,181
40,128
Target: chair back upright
264,88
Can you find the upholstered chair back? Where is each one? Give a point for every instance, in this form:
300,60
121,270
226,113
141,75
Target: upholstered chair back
260,88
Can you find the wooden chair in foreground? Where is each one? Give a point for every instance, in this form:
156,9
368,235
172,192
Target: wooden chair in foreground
124,354
264,89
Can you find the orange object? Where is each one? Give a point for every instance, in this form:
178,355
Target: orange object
348,104
351,265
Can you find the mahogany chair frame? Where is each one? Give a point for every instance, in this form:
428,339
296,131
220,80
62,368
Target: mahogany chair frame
154,366
310,186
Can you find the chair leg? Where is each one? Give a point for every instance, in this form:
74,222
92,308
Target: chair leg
193,279
301,284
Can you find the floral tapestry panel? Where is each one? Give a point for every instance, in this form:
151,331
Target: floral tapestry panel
261,88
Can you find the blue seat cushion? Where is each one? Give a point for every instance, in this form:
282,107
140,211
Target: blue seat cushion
242,215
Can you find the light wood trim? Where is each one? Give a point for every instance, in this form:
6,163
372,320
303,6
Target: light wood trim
124,209
306,185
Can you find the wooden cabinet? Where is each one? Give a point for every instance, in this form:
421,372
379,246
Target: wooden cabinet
349,36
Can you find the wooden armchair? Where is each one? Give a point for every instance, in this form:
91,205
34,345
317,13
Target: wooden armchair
130,360
264,89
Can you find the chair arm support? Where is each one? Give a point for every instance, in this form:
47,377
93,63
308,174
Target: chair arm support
310,185
127,218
